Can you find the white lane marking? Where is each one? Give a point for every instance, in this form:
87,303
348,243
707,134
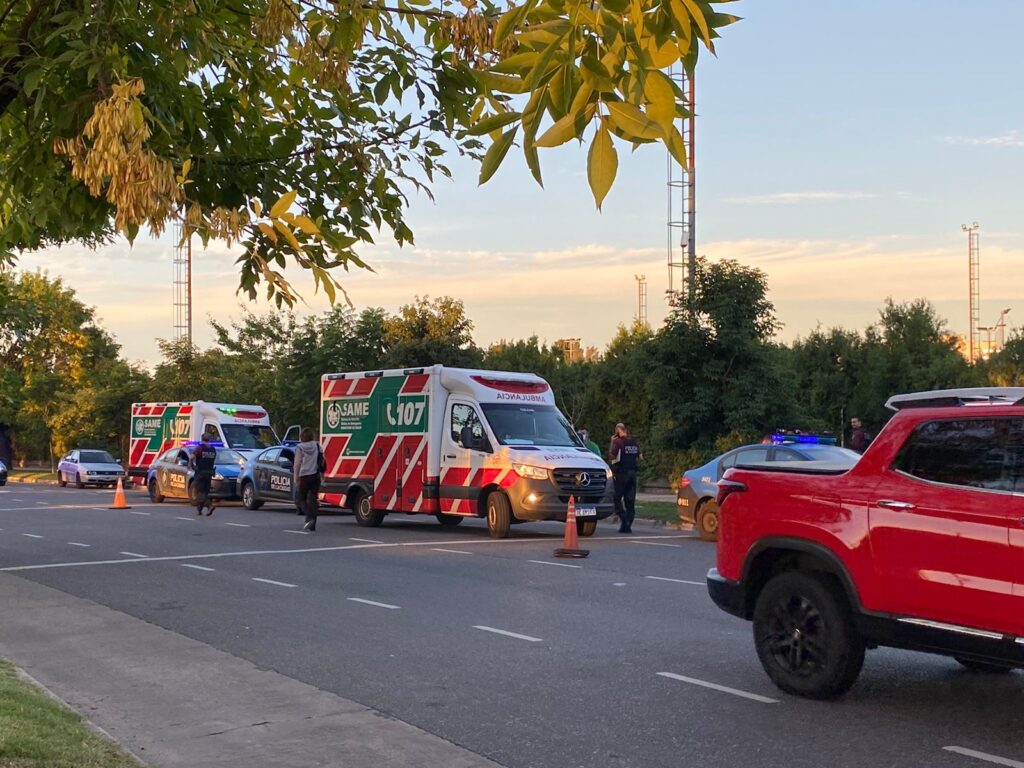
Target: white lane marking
675,581
134,554
373,602
506,633
619,584
654,543
32,535
560,565
451,551
98,509
239,525
78,544
720,688
44,503
58,506
275,583
190,519
136,512
302,533
299,551
985,756
196,567
366,541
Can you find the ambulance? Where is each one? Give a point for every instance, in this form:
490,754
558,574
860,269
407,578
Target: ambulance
456,443
158,427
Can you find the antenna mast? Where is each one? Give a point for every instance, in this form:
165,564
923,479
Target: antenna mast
973,293
182,286
682,199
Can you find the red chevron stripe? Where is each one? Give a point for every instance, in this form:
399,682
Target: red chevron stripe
415,384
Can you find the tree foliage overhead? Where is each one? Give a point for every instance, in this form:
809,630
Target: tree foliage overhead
297,127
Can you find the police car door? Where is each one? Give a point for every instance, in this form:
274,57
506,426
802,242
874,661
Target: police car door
281,475
264,468
466,448
175,479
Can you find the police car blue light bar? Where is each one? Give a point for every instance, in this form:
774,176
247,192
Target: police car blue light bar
780,439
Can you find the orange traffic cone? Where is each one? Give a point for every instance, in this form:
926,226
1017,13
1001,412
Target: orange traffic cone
571,548
119,501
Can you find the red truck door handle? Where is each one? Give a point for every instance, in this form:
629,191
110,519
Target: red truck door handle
897,505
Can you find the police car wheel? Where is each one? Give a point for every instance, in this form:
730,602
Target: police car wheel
193,494
499,515
707,520
154,492
586,527
366,515
249,497
448,521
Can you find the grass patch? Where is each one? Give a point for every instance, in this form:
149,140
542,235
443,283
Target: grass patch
32,474
37,732
658,510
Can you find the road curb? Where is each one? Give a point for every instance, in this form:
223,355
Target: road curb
30,480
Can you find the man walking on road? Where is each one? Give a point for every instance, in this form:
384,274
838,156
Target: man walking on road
204,457
308,464
625,459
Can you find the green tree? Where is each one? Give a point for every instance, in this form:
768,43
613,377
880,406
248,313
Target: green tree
1006,367
431,331
297,127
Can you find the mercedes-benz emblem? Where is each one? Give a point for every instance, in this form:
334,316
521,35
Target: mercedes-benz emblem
583,479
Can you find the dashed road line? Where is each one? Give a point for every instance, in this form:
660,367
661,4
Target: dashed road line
721,688
654,543
133,554
275,583
675,581
301,533
43,503
195,567
995,759
374,602
506,633
137,512
190,519
619,584
78,544
560,565
239,525
32,535
366,541
451,551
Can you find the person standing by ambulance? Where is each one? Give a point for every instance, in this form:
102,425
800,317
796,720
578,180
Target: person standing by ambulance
204,459
625,460
308,465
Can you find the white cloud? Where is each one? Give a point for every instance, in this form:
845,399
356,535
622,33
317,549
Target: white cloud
1008,139
791,198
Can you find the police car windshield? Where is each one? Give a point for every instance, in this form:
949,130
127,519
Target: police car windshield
95,457
227,456
530,425
246,436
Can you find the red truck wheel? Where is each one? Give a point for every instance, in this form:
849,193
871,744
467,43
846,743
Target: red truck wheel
805,637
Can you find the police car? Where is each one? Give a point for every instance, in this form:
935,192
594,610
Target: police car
267,476
696,500
170,475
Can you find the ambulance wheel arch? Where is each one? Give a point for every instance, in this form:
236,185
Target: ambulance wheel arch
366,515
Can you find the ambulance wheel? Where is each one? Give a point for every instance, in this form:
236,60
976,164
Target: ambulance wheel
586,527
154,492
448,521
78,481
366,515
61,481
249,497
499,515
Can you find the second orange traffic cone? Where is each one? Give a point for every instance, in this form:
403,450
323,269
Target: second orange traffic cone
119,500
571,545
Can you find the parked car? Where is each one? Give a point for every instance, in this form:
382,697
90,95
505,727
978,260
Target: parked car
3,474
919,545
699,487
85,466
267,476
170,475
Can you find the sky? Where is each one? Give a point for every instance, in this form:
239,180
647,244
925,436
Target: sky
840,146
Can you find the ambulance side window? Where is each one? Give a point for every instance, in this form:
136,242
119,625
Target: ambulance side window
213,432
466,428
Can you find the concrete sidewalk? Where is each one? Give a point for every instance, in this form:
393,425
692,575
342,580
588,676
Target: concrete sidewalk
178,702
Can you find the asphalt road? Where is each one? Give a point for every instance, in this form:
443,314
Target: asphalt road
617,660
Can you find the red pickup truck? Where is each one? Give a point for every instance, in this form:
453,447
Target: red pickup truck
920,545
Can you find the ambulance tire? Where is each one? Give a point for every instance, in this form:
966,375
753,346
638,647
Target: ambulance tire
586,527
61,481
78,481
499,515
365,514
154,492
448,521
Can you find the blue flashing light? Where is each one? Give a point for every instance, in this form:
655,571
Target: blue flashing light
214,443
781,439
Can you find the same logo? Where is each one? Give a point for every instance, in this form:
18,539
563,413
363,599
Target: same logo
333,415
139,427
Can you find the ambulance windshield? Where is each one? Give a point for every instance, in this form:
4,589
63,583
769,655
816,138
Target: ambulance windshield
249,436
530,425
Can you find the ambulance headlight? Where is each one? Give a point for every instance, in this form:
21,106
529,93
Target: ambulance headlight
531,472
608,473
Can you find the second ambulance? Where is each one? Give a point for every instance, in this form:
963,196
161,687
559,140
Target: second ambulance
456,443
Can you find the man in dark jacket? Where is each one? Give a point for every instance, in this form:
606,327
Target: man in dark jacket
204,460
860,439
625,460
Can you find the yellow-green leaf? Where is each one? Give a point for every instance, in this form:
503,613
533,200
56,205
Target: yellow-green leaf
257,206
307,225
569,127
661,97
493,123
698,16
602,165
268,230
495,155
632,122
502,83
676,146
280,227
283,203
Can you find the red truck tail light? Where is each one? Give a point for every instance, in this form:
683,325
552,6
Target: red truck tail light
728,487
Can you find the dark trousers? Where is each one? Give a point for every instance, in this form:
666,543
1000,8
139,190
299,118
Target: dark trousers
308,500
202,483
625,498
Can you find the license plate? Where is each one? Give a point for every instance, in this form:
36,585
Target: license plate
586,511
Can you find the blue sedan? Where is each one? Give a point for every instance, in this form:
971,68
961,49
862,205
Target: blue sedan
267,476
698,488
170,475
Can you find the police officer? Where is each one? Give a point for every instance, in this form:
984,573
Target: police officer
204,458
625,459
